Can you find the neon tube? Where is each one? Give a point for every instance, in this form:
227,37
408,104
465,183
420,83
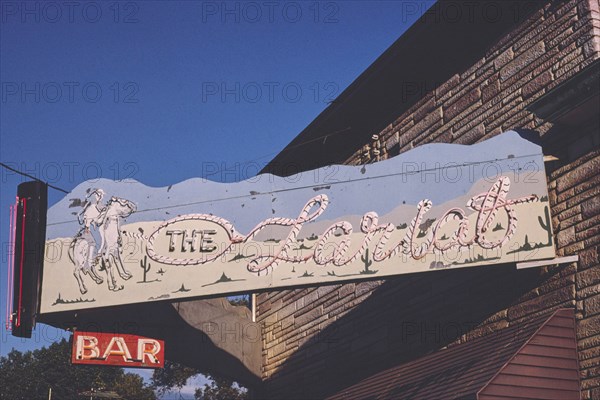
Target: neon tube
18,323
10,265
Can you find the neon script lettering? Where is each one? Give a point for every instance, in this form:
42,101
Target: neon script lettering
487,205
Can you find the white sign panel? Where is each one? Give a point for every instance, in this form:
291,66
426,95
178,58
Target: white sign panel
439,206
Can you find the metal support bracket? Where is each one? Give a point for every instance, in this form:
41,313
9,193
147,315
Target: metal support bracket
552,261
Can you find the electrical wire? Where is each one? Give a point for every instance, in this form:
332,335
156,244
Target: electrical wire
32,177
245,196
287,148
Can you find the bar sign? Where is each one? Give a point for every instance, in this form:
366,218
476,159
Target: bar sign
114,349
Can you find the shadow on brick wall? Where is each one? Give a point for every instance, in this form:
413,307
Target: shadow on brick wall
403,318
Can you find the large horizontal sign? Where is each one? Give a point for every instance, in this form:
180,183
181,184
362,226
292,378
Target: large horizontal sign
438,206
117,350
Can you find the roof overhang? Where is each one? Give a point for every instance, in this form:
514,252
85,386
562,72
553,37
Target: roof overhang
399,78
536,359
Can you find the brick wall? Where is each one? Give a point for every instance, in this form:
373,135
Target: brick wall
574,194
491,96
319,340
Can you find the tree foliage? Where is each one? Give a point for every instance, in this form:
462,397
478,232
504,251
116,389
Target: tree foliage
30,375
132,387
220,388
174,377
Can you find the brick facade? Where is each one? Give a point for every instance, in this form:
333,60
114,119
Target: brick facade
319,340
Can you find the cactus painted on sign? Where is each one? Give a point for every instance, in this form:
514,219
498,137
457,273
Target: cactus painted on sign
145,265
546,225
368,263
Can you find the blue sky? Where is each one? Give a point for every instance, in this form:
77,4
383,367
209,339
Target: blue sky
163,91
